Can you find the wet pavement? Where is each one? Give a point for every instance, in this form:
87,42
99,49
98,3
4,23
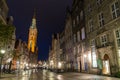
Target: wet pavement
48,75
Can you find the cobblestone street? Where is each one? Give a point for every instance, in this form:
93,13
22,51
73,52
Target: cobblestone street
48,75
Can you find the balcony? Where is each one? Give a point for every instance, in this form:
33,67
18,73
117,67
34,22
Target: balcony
106,45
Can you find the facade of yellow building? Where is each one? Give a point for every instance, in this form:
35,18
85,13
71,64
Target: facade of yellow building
32,39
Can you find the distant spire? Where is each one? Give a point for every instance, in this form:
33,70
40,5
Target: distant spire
34,20
34,15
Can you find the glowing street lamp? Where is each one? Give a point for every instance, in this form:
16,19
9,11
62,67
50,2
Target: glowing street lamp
59,65
51,62
2,51
85,56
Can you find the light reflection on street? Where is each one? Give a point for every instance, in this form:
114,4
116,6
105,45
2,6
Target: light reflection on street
48,75
60,77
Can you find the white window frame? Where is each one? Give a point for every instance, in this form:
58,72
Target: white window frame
101,19
83,33
90,23
117,32
103,40
115,10
99,2
93,53
94,57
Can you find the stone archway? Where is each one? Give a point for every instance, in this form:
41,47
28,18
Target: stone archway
106,57
106,64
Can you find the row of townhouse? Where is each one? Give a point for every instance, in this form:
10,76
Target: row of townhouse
54,52
3,11
9,46
90,41
21,56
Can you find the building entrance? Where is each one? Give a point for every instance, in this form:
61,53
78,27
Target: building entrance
106,65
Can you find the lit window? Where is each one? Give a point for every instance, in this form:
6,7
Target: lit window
94,58
118,37
90,23
93,52
115,10
103,40
101,20
83,33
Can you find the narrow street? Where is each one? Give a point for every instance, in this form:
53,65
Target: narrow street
48,75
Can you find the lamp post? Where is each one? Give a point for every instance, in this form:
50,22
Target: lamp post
1,57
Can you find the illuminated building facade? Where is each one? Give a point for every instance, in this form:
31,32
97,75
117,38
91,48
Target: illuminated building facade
103,32
32,43
68,41
79,36
54,52
3,11
9,46
21,55
32,39
95,35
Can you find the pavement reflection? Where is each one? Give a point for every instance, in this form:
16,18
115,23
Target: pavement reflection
48,75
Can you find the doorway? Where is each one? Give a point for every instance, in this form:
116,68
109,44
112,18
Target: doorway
106,65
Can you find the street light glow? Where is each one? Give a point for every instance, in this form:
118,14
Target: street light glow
2,51
85,56
59,64
51,62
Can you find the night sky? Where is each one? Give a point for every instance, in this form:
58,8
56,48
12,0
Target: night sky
50,19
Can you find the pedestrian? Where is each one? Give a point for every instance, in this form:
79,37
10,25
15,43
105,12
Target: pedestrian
4,69
25,69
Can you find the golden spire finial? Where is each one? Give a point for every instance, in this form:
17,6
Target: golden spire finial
34,15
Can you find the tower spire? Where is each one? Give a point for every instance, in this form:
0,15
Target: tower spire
34,20
32,39
34,15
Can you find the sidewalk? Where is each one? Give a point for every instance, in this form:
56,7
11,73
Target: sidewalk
10,76
7,76
16,76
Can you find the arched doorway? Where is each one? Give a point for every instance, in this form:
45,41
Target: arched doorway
106,65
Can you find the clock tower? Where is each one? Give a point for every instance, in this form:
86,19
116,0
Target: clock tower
32,38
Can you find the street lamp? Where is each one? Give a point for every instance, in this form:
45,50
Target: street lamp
59,65
51,64
1,56
2,51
